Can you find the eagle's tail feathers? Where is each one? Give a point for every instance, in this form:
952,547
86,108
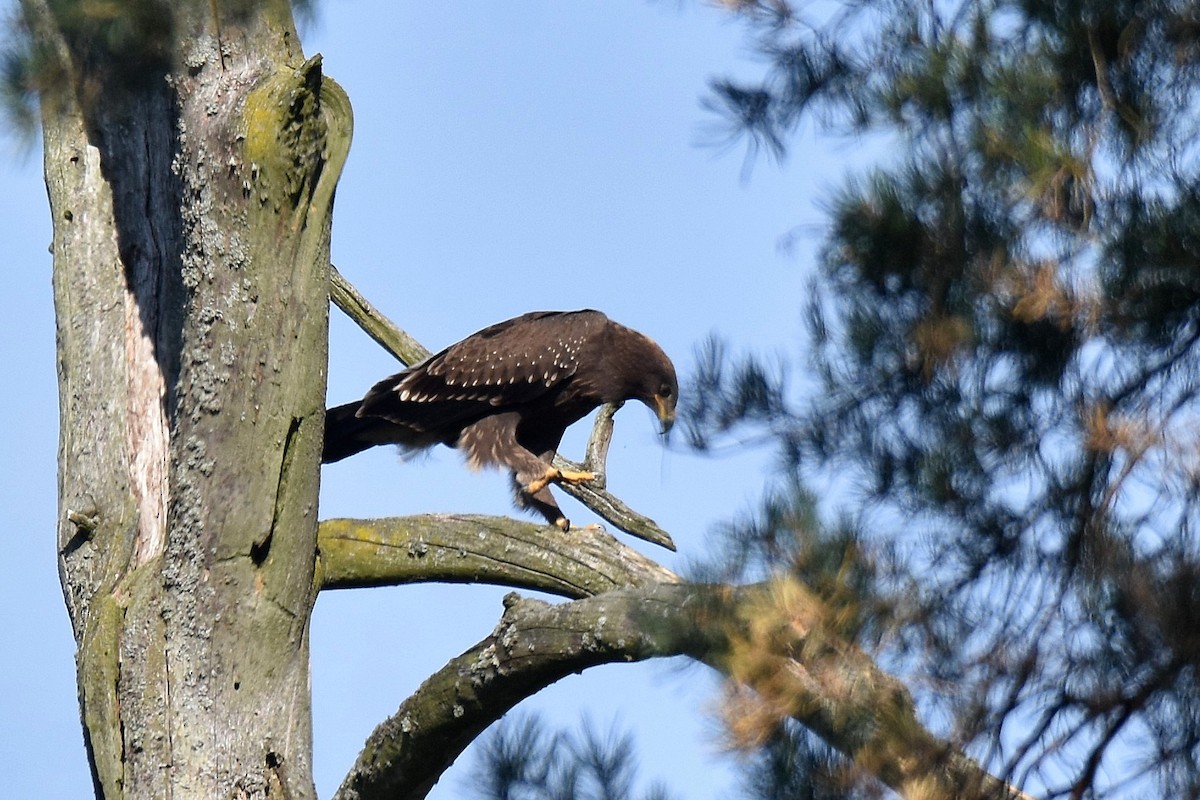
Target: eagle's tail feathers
346,433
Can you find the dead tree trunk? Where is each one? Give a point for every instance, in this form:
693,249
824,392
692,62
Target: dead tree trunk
191,155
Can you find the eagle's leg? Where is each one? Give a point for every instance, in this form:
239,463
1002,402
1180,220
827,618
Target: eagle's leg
495,441
540,501
540,483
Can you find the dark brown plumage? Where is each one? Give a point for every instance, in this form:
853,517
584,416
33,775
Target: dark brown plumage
505,396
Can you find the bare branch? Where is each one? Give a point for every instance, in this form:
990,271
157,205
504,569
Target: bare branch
373,321
595,495
467,548
798,670
611,508
534,645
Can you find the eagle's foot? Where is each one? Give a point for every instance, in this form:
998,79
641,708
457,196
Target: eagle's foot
571,476
552,475
564,525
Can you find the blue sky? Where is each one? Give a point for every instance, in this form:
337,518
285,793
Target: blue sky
512,157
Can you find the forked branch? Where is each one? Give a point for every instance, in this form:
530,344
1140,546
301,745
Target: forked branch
373,321
595,495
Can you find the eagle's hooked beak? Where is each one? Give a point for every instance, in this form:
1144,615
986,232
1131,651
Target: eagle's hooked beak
664,409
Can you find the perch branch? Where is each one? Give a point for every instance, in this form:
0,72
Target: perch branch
409,351
595,495
357,553
796,668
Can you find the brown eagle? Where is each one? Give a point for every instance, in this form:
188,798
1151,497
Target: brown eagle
505,396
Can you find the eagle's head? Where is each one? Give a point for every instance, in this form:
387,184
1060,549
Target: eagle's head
655,383
664,396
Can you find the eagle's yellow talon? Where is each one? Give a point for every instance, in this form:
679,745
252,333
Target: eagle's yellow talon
553,475
564,525
571,476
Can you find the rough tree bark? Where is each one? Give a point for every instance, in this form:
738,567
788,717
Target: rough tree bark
191,155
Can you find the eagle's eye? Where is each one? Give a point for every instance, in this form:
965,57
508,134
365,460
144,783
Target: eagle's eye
665,390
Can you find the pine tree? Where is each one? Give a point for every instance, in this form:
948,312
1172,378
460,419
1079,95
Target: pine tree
1005,331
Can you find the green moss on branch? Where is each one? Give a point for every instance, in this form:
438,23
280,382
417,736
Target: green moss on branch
472,548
